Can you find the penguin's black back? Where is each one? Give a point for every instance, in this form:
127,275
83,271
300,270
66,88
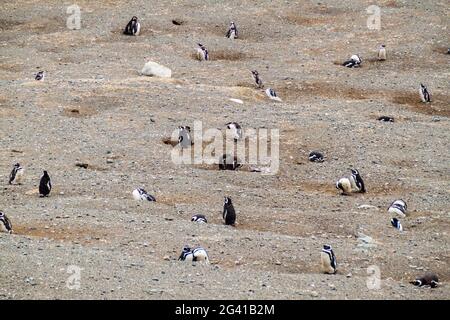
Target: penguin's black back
45,185
229,215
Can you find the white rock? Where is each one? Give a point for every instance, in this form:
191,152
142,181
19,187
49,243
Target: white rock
237,100
153,69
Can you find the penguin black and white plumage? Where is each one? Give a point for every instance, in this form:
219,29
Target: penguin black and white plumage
344,185
354,62
6,222
396,224
398,207
385,119
428,279
40,76
272,94
229,162
357,182
195,255
229,215
328,260
186,254
141,194
199,218
382,53
16,174
257,79
45,185
232,32
424,94
184,136
202,52
236,129
315,156
133,27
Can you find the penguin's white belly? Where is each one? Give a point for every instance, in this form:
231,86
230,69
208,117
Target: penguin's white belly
346,185
136,195
325,263
138,29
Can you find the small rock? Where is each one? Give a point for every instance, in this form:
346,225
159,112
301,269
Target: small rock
167,258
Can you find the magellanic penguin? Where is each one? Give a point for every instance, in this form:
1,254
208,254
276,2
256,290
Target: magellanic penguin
315,156
133,27
424,94
45,185
229,215
354,62
196,255
396,224
16,174
398,207
199,218
385,119
40,76
6,222
257,79
141,194
184,136
232,32
272,94
382,53
428,279
229,162
202,52
328,260
236,129
357,182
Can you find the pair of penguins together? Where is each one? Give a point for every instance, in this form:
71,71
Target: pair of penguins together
45,185
200,254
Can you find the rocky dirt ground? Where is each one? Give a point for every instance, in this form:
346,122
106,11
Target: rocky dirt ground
95,108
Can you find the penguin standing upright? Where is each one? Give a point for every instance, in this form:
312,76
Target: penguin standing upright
45,185
229,215
428,279
133,27
257,79
328,260
424,94
40,76
357,182
16,174
382,53
184,136
232,32
6,222
202,52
